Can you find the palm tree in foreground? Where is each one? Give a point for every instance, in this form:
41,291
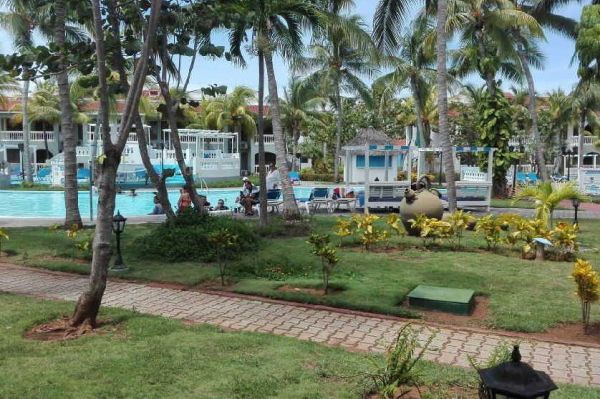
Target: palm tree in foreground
277,28
388,19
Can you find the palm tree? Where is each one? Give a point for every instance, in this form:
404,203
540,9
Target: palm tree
230,112
299,107
526,47
19,22
561,114
277,27
341,54
413,68
8,85
547,196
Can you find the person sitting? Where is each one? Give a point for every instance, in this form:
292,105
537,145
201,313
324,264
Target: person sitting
184,202
247,197
220,206
158,208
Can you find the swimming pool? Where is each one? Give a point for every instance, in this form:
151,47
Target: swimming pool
51,204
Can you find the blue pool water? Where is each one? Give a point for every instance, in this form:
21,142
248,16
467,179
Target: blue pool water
51,204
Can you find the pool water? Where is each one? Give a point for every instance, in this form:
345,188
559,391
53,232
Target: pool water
51,204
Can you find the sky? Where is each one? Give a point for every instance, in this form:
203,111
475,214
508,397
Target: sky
558,73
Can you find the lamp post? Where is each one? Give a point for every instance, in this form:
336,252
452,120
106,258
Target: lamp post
21,148
515,380
118,227
568,153
92,160
440,176
575,202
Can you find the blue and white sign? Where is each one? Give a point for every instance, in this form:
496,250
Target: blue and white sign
589,181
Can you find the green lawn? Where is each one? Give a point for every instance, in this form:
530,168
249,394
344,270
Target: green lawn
152,357
523,295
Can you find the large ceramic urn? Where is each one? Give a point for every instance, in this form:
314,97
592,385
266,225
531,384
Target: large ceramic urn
420,202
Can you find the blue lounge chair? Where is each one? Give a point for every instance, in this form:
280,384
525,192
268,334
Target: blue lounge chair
274,199
294,176
319,196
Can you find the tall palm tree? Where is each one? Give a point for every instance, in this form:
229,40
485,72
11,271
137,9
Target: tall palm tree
277,28
526,46
341,54
20,23
413,69
300,106
388,18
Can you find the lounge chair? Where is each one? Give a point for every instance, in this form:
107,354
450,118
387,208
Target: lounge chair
294,177
319,196
348,202
274,199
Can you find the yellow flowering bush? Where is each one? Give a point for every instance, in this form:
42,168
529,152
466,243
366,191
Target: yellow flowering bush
588,288
369,233
459,222
395,223
491,227
431,229
345,227
564,239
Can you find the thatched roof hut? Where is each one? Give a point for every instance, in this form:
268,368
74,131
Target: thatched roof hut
370,136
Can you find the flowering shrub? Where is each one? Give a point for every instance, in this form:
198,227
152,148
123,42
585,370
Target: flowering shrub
459,222
3,236
588,288
345,227
491,227
564,239
369,233
395,223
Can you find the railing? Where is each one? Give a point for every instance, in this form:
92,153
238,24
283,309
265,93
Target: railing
269,139
132,138
220,165
17,135
587,140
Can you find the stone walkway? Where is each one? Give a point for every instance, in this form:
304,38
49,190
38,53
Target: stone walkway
565,363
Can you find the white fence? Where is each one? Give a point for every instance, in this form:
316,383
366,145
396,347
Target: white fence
36,136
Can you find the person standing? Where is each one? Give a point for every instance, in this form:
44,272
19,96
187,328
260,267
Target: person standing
273,178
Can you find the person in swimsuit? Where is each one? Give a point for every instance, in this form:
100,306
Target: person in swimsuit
184,201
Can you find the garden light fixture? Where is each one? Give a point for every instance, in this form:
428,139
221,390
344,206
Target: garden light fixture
515,380
118,227
575,202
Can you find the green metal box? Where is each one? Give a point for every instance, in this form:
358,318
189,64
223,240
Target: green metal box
451,300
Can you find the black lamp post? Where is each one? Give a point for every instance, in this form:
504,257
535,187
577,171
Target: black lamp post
441,165
575,202
516,380
118,227
21,149
568,154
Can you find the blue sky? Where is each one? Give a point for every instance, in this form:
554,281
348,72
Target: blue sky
557,72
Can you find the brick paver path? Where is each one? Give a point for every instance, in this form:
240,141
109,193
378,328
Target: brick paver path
565,363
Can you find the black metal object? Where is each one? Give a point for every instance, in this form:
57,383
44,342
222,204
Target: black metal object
21,147
516,380
575,202
568,153
118,226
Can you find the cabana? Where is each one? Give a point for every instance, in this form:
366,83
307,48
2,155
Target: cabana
372,160
474,189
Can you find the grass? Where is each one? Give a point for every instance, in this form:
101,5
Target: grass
153,357
523,295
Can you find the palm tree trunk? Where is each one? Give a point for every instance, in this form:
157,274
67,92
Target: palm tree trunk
442,85
418,112
72,215
159,182
580,142
27,173
295,139
535,132
290,207
262,172
338,132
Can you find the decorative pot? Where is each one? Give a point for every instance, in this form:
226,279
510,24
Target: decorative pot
420,202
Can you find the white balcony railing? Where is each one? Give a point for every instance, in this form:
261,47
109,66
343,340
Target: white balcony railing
587,140
269,139
34,136
132,138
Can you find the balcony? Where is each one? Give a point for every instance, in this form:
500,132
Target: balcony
587,140
18,136
269,139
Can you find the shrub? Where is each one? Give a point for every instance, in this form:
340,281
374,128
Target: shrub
588,288
345,227
395,223
369,233
564,239
431,229
401,357
3,236
491,228
222,241
82,241
186,238
327,254
459,222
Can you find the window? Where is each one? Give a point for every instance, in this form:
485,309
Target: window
375,161
13,155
